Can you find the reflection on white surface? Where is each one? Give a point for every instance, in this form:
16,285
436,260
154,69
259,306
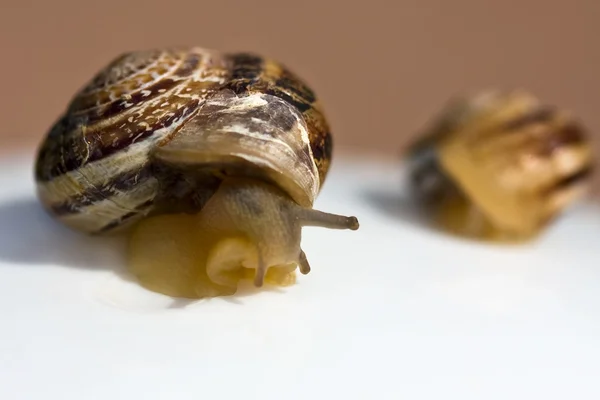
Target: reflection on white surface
395,310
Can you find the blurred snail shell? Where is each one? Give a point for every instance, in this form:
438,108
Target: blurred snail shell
501,165
157,132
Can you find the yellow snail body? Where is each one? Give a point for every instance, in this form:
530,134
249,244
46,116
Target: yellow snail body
212,160
501,166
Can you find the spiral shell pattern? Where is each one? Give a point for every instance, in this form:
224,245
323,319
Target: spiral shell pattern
520,161
94,170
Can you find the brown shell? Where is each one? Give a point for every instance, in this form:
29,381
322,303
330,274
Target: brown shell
501,165
155,131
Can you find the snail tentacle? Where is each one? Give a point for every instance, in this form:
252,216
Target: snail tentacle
303,263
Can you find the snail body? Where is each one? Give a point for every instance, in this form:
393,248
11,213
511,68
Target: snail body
213,154
501,166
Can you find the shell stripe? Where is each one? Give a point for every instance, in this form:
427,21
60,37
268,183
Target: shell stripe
128,217
120,183
99,172
575,178
254,74
128,129
101,213
117,107
100,107
538,115
568,135
542,131
104,145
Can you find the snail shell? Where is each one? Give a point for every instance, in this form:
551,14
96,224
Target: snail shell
501,165
157,132
97,168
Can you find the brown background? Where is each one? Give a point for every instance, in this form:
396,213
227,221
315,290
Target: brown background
381,67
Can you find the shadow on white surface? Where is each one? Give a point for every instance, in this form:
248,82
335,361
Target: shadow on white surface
400,208
30,238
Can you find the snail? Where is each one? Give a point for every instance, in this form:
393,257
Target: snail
500,166
210,161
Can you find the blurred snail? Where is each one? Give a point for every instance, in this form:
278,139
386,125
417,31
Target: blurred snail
501,166
212,161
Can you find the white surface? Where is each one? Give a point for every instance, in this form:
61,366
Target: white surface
394,310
